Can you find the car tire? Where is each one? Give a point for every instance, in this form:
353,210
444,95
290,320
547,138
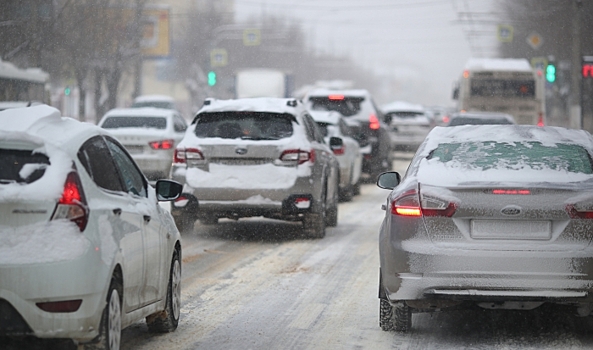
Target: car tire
185,222
331,216
356,188
386,315
314,225
110,328
167,320
402,317
209,220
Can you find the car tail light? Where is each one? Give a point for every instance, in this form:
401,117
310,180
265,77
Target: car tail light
374,122
163,144
409,204
575,213
298,155
446,119
511,191
72,205
183,155
540,119
60,306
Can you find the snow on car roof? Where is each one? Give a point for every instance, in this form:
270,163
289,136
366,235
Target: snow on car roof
258,104
145,98
139,112
329,117
402,106
348,92
512,64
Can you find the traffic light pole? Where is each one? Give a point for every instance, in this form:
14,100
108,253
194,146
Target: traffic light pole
576,117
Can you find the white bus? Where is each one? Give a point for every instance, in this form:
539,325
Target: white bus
23,85
503,85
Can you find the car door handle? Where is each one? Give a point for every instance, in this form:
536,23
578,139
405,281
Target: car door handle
117,211
147,218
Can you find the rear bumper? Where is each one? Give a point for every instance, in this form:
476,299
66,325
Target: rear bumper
409,273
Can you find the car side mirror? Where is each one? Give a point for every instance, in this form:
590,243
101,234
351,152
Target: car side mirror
168,190
388,180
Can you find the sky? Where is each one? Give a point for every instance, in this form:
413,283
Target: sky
424,44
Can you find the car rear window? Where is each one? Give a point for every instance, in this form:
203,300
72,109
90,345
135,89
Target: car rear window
19,166
478,121
244,125
135,122
405,115
346,106
514,156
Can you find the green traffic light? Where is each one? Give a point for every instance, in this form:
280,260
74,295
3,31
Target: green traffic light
67,91
551,73
211,78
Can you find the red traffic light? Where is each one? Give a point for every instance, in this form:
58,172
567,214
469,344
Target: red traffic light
587,70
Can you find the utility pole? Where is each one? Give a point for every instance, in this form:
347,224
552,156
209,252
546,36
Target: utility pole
576,120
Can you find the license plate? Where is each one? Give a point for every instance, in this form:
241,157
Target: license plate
135,149
230,161
517,229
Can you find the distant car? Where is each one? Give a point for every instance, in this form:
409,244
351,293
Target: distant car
156,101
410,123
494,216
332,124
148,134
479,118
256,157
85,249
365,119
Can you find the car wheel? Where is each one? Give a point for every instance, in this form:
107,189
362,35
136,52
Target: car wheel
168,319
356,188
331,216
314,225
110,327
347,193
402,317
209,220
385,315
185,222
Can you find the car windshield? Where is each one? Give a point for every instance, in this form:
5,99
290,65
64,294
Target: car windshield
244,125
405,114
514,156
135,122
346,106
478,121
156,104
22,166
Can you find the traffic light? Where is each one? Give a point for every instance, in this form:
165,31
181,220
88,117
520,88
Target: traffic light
211,78
67,91
551,72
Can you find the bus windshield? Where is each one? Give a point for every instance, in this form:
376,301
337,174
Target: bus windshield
502,88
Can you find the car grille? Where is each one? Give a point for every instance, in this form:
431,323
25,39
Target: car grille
11,322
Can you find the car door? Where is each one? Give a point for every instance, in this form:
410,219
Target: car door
118,216
137,190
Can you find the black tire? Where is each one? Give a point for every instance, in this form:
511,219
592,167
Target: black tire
386,316
209,220
167,320
356,188
402,317
314,225
185,222
110,328
331,219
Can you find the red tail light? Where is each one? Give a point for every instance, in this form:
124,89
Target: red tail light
540,119
336,97
575,213
72,205
298,155
183,155
409,204
446,119
374,122
339,151
163,144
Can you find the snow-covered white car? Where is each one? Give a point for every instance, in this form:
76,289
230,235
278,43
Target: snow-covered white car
332,124
409,124
148,134
256,157
85,248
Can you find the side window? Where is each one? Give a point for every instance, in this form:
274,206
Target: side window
308,127
344,128
317,136
179,124
96,159
133,180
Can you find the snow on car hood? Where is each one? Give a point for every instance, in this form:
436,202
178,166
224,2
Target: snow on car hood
44,242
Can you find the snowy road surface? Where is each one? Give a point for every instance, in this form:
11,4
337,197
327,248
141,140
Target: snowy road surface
253,285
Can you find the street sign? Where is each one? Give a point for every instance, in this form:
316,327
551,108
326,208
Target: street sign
218,58
535,40
505,33
539,63
251,37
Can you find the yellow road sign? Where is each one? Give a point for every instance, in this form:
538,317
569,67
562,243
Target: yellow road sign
218,58
251,37
505,33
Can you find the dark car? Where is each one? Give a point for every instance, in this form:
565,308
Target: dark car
365,119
